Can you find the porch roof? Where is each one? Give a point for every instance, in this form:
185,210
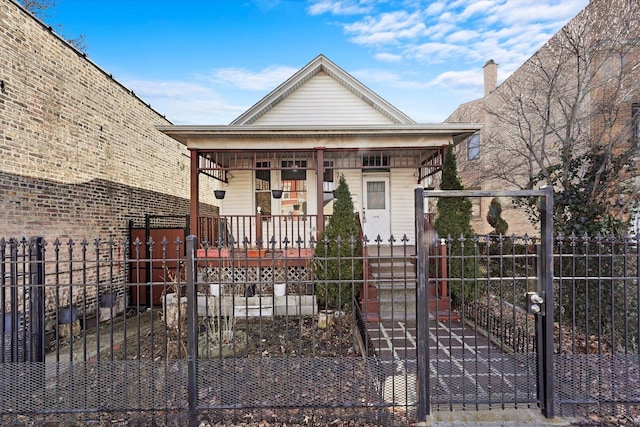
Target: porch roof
253,137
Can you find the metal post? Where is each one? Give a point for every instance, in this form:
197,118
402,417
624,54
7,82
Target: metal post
422,310
192,328
36,293
546,216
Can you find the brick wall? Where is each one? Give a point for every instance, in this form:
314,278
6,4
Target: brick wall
79,156
79,152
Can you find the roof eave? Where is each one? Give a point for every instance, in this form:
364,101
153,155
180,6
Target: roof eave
183,133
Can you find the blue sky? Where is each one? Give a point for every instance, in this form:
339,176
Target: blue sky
207,61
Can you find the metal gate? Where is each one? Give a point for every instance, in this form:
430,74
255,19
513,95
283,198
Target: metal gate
484,339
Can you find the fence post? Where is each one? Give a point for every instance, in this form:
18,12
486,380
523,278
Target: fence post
192,328
422,310
13,297
36,295
546,273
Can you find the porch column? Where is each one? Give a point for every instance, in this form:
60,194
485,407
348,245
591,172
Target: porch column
195,195
320,191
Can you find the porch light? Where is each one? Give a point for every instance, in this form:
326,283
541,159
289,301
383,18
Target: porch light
277,194
219,194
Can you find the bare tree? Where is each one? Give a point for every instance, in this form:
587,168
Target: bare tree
565,117
41,8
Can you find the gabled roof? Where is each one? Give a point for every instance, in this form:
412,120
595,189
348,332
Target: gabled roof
318,65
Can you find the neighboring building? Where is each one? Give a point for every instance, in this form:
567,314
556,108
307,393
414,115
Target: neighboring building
81,156
319,124
581,88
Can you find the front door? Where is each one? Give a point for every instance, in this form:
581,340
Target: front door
376,217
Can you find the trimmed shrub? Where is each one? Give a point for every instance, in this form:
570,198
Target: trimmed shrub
338,262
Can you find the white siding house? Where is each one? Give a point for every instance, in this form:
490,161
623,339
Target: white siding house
319,124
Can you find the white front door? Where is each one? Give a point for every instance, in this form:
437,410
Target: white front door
376,218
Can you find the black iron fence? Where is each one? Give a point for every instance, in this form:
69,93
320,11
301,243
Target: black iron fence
236,338
256,333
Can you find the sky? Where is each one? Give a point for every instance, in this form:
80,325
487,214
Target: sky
205,62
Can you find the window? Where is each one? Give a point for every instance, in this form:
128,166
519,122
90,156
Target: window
328,180
635,123
377,163
473,147
263,187
294,187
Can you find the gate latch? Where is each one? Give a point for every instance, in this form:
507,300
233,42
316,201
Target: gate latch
535,303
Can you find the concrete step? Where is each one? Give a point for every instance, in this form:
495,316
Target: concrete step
397,315
398,268
506,417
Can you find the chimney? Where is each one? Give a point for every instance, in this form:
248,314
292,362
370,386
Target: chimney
490,77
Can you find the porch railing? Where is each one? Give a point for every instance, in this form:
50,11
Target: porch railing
287,231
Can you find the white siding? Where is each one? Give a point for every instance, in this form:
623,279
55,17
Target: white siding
402,184
239,197
322,101
353,177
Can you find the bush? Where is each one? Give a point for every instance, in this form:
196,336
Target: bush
454,221
338,262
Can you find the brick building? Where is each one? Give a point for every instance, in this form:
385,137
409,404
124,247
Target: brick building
581,88
80,153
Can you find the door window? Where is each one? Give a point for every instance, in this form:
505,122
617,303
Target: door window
375,195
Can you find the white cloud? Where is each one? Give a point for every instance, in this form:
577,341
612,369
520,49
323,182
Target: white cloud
457,79
387,28
387,57
435,8
339,7
266,79
466,31
185,102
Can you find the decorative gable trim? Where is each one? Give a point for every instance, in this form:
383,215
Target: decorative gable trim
322,64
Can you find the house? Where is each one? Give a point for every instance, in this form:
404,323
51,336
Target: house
577,96
279,162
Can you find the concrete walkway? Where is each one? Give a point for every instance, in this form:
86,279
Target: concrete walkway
472,381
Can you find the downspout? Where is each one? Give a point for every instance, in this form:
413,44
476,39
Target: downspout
320,191
195,194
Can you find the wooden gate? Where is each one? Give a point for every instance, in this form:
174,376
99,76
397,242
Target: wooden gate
148,277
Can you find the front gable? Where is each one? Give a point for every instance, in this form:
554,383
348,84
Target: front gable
321,93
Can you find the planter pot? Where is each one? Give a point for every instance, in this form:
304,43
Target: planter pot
277,194
298,253
279,289
325,318
213,253
108,300
256,253
8,318
214,289
68,315
219,194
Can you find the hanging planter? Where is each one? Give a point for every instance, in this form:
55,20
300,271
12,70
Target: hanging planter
219,194
277,194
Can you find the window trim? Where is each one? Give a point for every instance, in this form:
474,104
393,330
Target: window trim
473,147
